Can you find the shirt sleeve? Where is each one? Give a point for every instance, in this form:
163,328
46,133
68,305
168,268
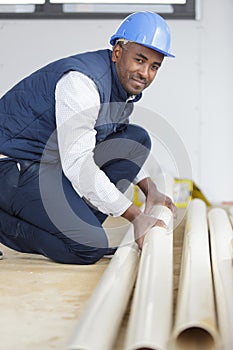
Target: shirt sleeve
77,108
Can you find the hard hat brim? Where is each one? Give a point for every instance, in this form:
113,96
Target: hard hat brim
167,54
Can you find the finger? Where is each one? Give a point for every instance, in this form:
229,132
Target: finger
160,223
139,242
171,205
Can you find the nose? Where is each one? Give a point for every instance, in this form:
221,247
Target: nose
144,71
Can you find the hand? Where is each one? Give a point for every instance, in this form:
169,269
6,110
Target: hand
142,224
154,197
158,198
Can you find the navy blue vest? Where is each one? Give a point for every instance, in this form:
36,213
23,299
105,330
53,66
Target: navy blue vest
27,111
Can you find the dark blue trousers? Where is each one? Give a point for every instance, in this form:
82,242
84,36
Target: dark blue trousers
41,213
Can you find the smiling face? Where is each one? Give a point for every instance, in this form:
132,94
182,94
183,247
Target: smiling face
136,66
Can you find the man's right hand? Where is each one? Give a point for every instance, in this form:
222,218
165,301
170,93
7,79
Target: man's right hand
142,223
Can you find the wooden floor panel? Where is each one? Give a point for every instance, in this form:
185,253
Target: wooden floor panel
40,301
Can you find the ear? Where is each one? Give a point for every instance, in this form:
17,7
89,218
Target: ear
116,53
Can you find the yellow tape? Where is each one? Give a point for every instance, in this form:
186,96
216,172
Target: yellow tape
183,189
136,197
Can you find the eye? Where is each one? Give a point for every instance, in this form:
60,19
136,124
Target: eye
155,67
139,60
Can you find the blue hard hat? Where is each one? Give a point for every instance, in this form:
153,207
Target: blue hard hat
146,28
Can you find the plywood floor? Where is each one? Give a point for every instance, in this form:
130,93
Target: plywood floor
40,300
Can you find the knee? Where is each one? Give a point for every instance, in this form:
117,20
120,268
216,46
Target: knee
95,256
85,257
140,135
83,254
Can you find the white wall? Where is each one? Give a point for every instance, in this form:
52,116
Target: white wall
191,96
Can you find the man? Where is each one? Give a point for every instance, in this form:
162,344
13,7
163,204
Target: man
68,152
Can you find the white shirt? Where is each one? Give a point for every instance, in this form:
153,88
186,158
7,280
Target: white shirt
77,108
